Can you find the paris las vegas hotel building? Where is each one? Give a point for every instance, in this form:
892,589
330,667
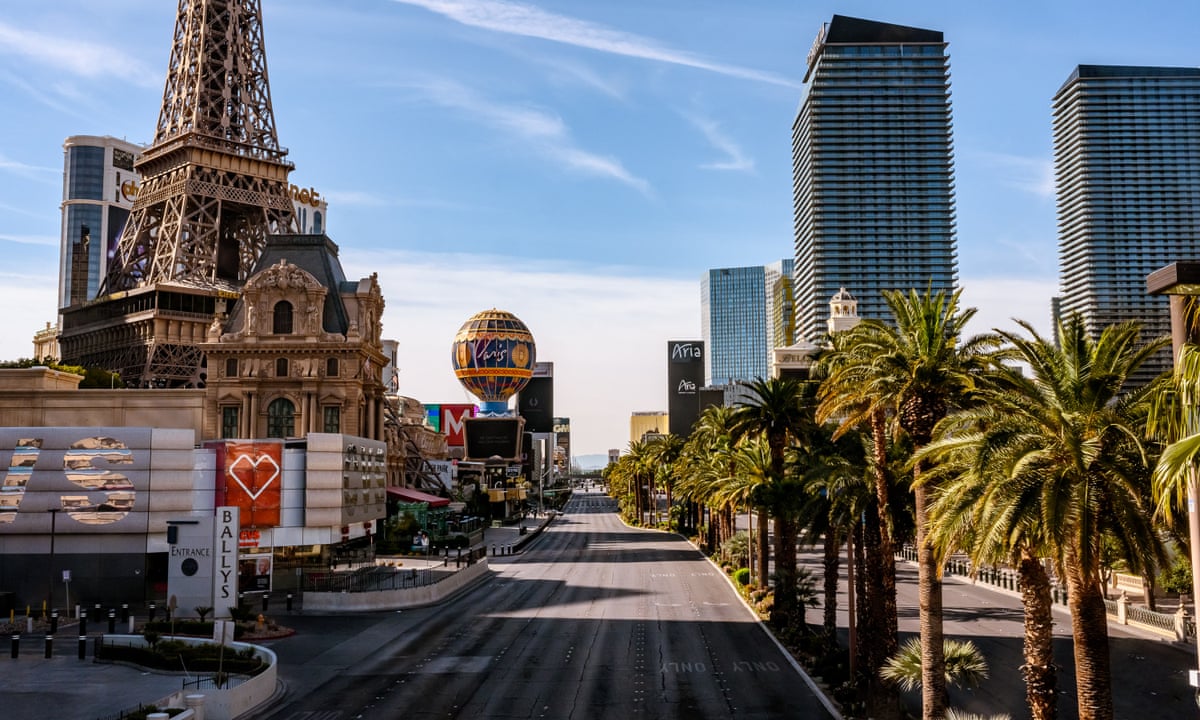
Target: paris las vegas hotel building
290,426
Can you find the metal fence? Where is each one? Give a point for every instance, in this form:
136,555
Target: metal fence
374,578
128,712
1006,579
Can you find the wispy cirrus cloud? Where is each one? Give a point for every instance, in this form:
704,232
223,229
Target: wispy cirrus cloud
541,130
44,240
32,172
1033,175
77,57
530,21
735,157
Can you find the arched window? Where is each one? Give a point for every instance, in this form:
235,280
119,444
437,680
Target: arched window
281,418
281,367
231,367
282,323
331,367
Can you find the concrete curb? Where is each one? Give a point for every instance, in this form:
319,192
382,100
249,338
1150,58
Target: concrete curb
817,690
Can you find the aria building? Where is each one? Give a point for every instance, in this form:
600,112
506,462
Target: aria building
742,310
1127,166
873,169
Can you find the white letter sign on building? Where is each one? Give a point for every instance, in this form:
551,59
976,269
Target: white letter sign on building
225,576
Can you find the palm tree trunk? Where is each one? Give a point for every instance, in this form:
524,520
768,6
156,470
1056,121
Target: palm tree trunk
864,660
784,611
832,548
1041,679
763,546
889,629
670,523
929,589
1089,630
883,699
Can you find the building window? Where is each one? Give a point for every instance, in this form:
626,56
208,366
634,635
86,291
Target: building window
231,367
333,419
229,422
281,367
281,418
282,322
331,367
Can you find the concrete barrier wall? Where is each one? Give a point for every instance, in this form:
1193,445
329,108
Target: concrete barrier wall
395,599
223,704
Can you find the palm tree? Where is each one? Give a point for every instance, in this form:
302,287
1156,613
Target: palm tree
965,665
745,488
665,450
835,494
1067,473
844,396
632,470
706,462
987,505
1174,417
919,370
777,409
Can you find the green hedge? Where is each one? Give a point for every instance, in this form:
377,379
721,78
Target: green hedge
193,628
176,655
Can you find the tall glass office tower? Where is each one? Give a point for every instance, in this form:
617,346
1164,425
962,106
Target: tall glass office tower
1127,164
99,186
738,317
873,169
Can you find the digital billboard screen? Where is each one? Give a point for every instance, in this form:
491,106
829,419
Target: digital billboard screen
535,403
494,437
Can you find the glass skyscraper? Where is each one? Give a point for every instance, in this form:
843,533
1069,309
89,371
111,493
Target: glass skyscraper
738,317
1127,166
873,170
99,186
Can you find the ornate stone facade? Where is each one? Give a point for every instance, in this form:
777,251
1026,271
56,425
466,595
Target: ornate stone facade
290,359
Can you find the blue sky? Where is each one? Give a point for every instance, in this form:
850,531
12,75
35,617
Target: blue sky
577,163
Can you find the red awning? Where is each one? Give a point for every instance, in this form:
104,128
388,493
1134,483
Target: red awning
415,496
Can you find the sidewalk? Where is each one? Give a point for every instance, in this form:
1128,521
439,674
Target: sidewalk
67,688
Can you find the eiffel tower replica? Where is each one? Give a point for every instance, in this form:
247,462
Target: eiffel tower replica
214,187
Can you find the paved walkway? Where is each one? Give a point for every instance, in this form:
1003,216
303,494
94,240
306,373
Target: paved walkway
68,688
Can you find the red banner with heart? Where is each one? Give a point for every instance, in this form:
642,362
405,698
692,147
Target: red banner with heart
250,476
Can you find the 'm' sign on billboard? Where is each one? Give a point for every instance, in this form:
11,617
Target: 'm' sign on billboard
452,424
250,478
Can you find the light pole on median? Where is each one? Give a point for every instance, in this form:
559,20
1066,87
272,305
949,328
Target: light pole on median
50,587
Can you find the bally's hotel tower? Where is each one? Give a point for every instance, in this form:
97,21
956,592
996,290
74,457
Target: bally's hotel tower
873,170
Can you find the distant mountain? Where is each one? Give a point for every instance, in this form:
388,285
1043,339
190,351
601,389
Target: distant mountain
591,462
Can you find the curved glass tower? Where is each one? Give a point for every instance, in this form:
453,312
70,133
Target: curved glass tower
1127,166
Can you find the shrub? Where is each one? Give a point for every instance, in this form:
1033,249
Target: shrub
1178,577
737,549
742,577
175,655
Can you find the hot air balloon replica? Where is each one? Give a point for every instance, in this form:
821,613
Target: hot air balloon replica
493,356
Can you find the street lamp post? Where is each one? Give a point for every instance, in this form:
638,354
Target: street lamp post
50,587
